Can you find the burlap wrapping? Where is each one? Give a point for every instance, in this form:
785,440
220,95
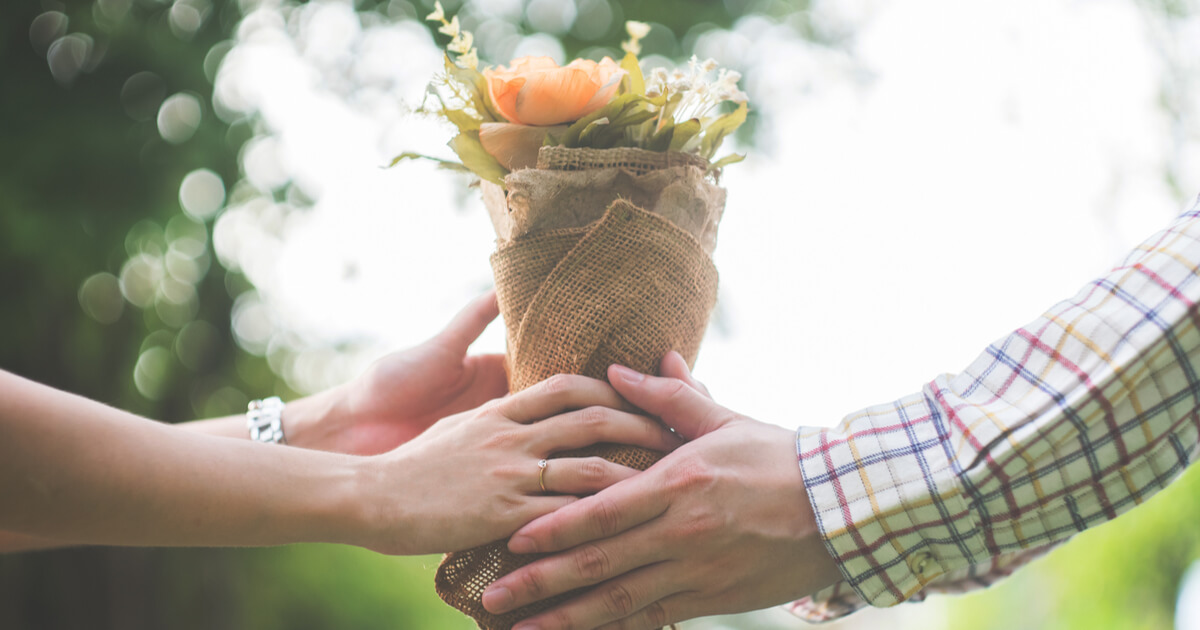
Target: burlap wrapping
604,261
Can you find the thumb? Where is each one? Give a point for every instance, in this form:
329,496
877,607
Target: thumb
469,323
689,412
674,366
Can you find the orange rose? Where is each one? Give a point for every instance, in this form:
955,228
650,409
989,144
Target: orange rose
536,91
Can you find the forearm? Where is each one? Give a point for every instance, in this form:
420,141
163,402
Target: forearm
312,422
73,469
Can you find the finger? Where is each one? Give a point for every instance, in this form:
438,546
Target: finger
540,505
616,509
592,425
616,601
558,394
580,567
582,475
674,366
470,322
684,409
662,613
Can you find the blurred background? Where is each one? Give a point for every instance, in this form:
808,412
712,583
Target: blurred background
194,213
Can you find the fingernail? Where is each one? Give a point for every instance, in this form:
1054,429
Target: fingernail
497,600
522,544
527,626
633,377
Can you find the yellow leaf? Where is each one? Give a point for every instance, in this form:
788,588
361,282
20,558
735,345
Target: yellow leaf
474,157
637,83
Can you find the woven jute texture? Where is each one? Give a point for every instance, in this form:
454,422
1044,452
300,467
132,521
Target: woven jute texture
626,287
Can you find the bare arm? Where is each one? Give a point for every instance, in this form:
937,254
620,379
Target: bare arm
72,469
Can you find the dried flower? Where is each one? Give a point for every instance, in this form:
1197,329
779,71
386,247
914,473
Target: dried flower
469,59
637,31
438,15
450,28
461,43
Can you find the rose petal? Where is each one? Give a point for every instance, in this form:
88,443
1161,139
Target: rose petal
504,92
555,96
514,146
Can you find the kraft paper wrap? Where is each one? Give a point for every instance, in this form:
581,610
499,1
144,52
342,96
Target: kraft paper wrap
603,256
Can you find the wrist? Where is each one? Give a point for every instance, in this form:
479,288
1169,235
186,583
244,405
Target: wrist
314,422
377,514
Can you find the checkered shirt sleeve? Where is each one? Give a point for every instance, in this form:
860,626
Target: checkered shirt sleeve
1062,425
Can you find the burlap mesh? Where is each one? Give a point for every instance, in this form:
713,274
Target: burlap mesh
636,161
626,289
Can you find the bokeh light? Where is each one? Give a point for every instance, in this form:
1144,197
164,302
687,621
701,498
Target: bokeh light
202,194
179,117
100,296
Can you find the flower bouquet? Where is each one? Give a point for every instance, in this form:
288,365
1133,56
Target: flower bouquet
601,185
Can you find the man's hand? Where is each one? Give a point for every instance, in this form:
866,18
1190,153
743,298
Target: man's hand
721,525
405,392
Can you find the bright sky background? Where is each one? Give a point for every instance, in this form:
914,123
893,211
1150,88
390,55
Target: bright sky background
972,164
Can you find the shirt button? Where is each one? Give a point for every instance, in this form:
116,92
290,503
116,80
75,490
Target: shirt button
920,561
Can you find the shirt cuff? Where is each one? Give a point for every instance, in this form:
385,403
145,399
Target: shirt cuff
888,501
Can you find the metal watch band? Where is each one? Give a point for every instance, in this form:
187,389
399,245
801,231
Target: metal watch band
265,420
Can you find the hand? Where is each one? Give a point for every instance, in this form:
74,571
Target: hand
405,392
722,525
473,477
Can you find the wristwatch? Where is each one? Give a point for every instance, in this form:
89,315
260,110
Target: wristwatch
265,420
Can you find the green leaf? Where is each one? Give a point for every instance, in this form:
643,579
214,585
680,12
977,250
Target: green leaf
475,158
585,136
464,121
661,140
446,164
732,158
715,134
637,82
684,133
610,111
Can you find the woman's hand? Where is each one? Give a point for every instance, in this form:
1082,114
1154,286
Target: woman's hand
474,477
405,392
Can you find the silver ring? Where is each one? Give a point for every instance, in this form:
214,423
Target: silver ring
542,465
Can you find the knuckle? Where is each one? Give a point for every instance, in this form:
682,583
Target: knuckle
607,517
593,563
592,419
656,615
562,620
691,475
618,600
593,470
533,582
675,389
557,384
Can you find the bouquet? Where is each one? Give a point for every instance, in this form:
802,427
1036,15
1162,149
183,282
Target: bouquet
602,188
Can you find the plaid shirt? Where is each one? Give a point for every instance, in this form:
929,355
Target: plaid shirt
1062,425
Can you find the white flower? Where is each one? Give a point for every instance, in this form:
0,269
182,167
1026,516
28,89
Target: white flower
461,43
450,28
637,30
438,15
659,75
469,60
709,65
632,47
654,91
